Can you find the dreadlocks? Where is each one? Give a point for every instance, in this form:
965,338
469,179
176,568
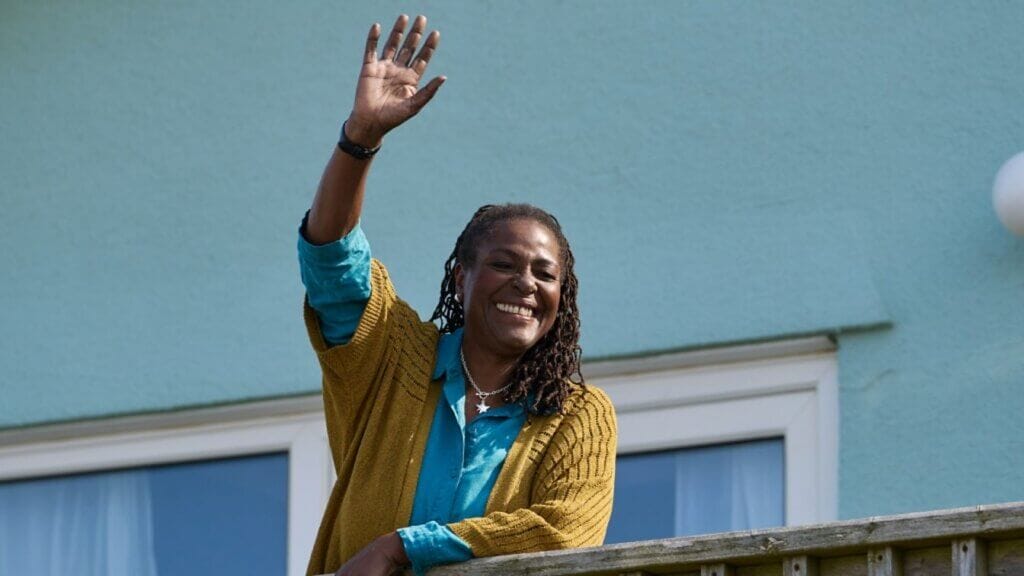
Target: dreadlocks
551,368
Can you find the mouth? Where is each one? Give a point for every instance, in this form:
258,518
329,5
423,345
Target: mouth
516,310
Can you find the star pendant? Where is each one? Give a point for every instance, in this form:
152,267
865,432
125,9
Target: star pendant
482,406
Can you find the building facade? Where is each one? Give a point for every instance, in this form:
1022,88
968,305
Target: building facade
790,269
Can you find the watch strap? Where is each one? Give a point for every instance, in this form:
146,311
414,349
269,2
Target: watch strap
352,149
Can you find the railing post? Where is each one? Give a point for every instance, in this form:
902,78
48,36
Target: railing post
800,566
716,570
969,557
884,562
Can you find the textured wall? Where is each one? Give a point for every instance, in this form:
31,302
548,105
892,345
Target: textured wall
727,172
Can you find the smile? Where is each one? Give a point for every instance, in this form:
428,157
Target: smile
514,309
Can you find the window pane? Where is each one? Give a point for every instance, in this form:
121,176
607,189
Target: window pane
218,517
699,490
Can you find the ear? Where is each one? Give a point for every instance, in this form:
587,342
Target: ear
460,280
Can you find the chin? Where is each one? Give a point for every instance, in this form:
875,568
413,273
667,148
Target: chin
520,346
520,343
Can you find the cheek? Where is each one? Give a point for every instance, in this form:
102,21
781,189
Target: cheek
556,302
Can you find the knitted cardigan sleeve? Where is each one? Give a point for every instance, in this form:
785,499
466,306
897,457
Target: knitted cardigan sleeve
571,493
389,337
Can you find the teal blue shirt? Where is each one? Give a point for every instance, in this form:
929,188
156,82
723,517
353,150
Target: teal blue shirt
460,465
460,462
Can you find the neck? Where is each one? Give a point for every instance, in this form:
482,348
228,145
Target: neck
489,371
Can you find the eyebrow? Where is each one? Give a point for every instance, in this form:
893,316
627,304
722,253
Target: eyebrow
513,254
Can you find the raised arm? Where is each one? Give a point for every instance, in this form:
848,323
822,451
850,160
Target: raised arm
387,95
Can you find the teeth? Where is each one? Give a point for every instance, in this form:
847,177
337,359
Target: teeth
515,309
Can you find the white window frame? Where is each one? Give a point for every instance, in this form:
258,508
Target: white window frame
785,389
295,426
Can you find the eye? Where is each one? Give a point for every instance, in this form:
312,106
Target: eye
501,265
547,275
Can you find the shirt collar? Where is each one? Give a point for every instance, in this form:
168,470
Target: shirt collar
448,360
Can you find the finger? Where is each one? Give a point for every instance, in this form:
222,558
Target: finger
425,94
391,48
419,65
370,55
409,48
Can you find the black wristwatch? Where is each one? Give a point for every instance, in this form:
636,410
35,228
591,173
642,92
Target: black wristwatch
352,149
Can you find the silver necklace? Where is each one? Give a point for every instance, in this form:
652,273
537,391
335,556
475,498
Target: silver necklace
480,394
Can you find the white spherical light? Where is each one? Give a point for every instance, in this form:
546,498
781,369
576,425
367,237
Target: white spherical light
1008,194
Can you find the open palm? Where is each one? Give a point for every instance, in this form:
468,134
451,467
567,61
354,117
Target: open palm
388,91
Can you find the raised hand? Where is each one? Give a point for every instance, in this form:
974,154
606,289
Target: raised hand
388,91
387,95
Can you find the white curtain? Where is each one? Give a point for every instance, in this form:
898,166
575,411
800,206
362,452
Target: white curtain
732,487
88,525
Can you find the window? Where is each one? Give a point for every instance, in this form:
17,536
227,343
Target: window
761,416
215,517
168,483
700,490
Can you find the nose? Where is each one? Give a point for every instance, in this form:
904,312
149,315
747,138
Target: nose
525,283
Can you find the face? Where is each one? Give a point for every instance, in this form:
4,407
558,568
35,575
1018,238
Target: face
510,295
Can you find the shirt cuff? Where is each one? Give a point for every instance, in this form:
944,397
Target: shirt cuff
335,252
430,544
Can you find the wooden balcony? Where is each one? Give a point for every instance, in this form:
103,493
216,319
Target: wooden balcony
961,542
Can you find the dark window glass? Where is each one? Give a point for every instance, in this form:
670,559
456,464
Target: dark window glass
700,490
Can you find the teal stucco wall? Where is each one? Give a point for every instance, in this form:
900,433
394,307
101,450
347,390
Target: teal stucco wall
727,172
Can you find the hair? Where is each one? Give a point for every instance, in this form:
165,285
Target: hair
550,370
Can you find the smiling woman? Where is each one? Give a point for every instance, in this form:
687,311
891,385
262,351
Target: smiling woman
473,437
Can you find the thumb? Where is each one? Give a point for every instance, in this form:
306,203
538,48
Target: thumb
425,94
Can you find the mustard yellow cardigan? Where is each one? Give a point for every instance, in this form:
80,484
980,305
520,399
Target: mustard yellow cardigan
554,489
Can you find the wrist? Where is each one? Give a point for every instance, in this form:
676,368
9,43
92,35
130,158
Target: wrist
393,549
352,148
362,133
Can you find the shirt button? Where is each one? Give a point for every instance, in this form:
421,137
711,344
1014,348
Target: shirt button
454,473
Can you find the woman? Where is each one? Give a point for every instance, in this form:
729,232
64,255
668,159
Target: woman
474,438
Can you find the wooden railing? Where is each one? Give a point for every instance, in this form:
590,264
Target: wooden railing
987,540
